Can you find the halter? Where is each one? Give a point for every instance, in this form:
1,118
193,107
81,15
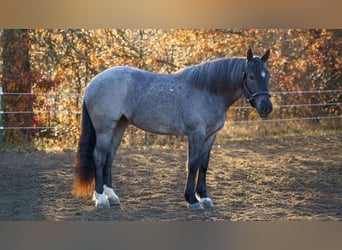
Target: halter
248,94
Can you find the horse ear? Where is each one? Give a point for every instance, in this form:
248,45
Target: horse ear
249,55
265,57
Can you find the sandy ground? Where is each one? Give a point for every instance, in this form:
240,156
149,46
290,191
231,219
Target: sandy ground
293,178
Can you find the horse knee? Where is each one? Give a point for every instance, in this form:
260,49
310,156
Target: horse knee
194,164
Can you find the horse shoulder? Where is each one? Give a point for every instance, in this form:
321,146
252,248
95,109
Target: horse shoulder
203,111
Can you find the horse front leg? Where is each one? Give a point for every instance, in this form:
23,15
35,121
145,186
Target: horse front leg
195,144
201,188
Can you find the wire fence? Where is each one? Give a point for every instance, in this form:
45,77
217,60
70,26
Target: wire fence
276,93
290,107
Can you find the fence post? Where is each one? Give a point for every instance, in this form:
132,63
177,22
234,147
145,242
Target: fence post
1,128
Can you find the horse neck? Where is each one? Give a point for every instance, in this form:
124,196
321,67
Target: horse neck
225,77
235,70
222,77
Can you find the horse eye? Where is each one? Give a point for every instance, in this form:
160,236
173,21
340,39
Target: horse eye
251,77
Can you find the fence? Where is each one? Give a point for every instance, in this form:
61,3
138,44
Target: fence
1,127
239,107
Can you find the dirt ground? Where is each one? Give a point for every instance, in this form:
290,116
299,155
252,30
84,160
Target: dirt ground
292,178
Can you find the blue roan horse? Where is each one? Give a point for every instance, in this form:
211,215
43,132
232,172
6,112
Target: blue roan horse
193,101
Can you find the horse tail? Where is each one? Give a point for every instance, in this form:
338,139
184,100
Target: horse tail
84,178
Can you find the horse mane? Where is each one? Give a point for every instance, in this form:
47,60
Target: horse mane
216,76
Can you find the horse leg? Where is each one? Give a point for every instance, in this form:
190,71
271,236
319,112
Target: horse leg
107,176
195,144
115,143
103,141
201,188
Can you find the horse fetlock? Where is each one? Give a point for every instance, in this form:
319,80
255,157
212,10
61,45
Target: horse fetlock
195,206
112,197
101,200
207,202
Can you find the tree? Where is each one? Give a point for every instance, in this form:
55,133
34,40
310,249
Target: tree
58,64
17,78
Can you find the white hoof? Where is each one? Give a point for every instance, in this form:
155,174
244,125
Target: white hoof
111,195
101,200
195,206
207,202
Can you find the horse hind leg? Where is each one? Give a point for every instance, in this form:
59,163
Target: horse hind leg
103,141
115,143
107,178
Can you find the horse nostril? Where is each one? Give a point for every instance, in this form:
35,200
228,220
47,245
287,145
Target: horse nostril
269,107
265,108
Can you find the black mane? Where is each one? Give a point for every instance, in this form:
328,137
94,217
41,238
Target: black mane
217,76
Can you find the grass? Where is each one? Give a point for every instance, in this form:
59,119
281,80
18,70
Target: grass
252,131
140,139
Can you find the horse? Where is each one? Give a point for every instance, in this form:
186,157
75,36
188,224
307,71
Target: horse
192,101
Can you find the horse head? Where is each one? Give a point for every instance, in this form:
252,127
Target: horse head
255,83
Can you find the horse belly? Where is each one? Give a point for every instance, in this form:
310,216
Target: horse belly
158,105
158,120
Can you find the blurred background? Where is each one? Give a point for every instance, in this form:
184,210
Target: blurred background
44,73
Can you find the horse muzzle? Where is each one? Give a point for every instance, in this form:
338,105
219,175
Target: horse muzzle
264,106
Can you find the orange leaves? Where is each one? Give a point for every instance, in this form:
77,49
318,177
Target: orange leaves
64,61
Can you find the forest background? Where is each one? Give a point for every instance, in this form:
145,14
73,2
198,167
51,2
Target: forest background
44,73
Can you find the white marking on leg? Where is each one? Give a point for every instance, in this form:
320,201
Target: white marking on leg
111,195
195,206
207,202
101,200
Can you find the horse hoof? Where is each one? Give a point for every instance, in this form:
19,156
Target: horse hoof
207,202
102,205
111,195
101,200
195,206
115,201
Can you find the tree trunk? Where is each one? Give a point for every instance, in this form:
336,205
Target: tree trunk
17,78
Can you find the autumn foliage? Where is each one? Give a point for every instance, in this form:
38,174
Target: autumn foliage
60,63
